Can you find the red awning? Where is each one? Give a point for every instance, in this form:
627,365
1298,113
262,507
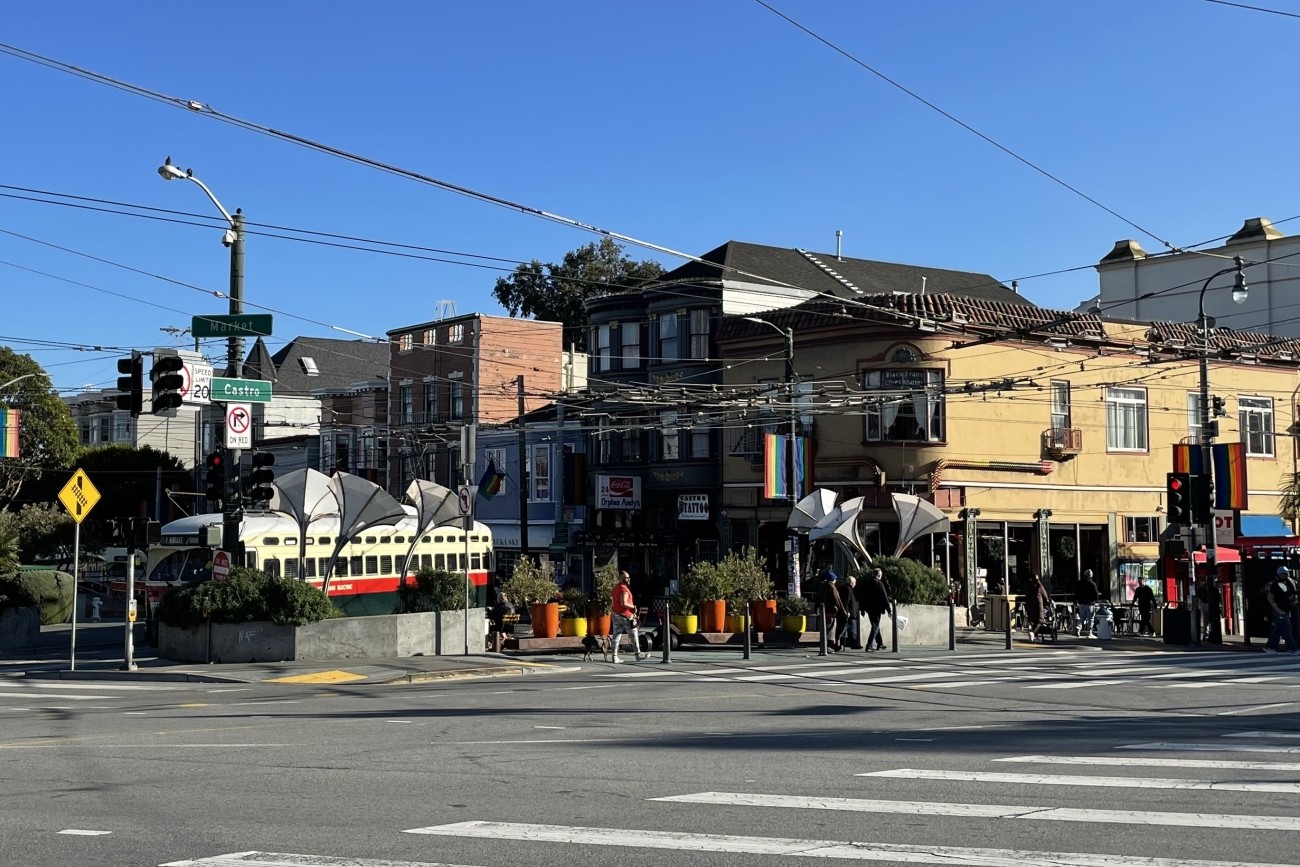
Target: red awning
1225,555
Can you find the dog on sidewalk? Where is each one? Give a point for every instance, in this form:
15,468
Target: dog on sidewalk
592,643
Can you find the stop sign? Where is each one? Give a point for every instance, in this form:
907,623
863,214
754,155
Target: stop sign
220,564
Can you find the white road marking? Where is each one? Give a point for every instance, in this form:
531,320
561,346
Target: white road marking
1080,684
917,854
286,859
898,677
993,811
1263,734
1131,761
598,686
133,687
917,740
549,727
78,832
34,694
1077,780
1210,748
1242,710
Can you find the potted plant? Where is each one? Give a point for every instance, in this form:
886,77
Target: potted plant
573,621
793,610
690,589
710,587
746,572
598,615
532,584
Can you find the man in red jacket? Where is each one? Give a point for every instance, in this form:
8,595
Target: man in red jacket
624,617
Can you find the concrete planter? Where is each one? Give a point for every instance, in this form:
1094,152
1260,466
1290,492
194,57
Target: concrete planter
20,627
927,626
381,637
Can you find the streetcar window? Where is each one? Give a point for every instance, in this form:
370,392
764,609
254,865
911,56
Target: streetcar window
356,540
370,540
291,567
487,561
397,540
271,540
439,562
250,559
309,567
178,566
272,567
323,540
426,562
291,541
372,565
462,562
386,565
439,539
356,566
384,540
426,538
341,567
324,564
475,561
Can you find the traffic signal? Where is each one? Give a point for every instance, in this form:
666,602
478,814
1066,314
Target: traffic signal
259,480
1178,492
1202,511
1220,407
216,477
167,382
131,384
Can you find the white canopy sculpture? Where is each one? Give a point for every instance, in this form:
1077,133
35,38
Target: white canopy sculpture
303,495
809,511
435,505
841,526
916,518
362,505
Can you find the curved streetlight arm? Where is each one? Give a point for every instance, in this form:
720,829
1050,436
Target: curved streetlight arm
17,379
204,188
1238,286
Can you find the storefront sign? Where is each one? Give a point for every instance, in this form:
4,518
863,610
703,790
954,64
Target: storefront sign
618,492
1225,528
692,507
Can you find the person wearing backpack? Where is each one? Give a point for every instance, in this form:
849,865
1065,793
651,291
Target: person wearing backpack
1281,596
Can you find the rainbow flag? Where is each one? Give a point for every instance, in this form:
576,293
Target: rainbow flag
776,463
1230,476
1187,459
492,482
10,427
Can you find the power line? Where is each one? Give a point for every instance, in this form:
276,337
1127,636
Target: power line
1255,8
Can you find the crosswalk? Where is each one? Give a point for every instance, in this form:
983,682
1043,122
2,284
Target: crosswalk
21,695
980,790
1057,670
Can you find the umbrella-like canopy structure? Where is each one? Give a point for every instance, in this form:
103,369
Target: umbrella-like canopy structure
808,512
841,526
362,504
303,495
916,518
435,505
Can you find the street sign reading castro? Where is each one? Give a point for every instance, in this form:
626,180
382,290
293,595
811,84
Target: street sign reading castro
227,390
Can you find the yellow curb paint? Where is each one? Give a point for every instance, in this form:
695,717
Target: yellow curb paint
335,676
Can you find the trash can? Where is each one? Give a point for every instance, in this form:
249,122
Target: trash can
1177,625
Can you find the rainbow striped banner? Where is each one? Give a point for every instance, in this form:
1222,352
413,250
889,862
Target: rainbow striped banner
776,462
10,427
1230,476
1187,459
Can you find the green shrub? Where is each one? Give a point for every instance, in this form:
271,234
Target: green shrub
792,606
746,576
245,596
46,588
532,582
575,601
431,590
909,582
606,578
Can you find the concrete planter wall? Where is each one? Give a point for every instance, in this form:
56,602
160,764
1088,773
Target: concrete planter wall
20,627
927,625
380,637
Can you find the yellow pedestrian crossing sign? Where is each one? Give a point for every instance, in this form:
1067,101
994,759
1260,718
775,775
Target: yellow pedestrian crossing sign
79,496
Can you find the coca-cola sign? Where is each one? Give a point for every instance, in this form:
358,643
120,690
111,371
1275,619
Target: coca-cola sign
618,492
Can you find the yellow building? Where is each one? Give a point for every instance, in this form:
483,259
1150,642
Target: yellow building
1045,436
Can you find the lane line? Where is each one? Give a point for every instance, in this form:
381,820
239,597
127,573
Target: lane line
60,696
684,841
992,811
1130,761
1078,780
1262,734
78,832
287,859
1242,710
1211,748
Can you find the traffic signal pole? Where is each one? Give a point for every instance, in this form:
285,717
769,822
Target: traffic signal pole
231,511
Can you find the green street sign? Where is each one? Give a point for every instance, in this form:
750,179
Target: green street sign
216,325
226,390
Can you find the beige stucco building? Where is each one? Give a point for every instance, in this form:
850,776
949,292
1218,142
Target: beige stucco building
1045,436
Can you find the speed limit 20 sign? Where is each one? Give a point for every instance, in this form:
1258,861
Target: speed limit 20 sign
197,388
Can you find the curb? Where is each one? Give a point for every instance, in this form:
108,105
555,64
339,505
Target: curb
478,673
143,676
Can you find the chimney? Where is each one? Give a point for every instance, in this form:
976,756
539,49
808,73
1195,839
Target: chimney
839,238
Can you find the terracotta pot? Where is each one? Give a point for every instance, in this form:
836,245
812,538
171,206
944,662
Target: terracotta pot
597,623
793,624
713,615
736,623
763,613
573,627
546,619
687,624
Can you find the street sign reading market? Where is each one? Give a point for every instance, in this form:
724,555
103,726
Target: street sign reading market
225,390
231,325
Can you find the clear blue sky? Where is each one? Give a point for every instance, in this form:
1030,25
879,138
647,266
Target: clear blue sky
683,123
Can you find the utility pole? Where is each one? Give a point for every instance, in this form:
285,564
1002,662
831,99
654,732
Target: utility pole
523,475
232,510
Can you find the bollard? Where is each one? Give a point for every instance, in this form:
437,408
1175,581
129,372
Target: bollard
666,635
825,649
1009,618
952,623
893,627
748,639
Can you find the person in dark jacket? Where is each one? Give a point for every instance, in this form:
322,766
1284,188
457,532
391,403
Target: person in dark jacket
1085,594
850,632
875,602
1145,598
1038,603
832,606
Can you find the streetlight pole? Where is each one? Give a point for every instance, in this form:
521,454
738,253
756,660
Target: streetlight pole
17,379
791,380
232,513
1209,430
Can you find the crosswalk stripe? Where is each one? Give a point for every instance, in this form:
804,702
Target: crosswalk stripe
992,811
122,687
1080,780
286,859
1131,761
1211,748
58,695
1280,735
1075,683
712,843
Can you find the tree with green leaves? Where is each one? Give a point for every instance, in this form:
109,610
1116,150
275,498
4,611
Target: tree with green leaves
44,532
47,435
557,292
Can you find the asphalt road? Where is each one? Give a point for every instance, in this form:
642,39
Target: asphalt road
1038,756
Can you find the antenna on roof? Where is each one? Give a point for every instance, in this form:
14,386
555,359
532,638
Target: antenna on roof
446,309
839,237
922,284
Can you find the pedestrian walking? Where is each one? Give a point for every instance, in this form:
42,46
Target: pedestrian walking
1281,596
851,631
832,607
1086,595
623,618
1145,598
1037,603
875,601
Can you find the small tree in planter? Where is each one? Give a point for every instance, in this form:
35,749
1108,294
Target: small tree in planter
746,572
708,586
793,611
533,584
602,604
574,620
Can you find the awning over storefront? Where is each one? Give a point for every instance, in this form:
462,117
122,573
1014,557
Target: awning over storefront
1224,554
1263,525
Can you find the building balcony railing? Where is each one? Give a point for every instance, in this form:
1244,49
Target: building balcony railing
1063,442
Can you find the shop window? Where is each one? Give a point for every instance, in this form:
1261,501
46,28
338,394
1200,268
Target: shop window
1126,419
909,406
1141,529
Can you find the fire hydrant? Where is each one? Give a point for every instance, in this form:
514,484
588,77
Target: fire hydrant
1105,623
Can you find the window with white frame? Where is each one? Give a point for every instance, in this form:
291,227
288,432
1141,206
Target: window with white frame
1255,416
1194,416
430,337
1141,529
1060,405
456,333
457,394
668,337
909,406
407,397
1126,419
539,473
630,345
404,342
700,333
121,427
602,357
670,439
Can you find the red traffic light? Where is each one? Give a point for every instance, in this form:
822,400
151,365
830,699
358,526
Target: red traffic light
1175,484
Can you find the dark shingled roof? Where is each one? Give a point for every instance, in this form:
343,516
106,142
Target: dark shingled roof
798,268
341,363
